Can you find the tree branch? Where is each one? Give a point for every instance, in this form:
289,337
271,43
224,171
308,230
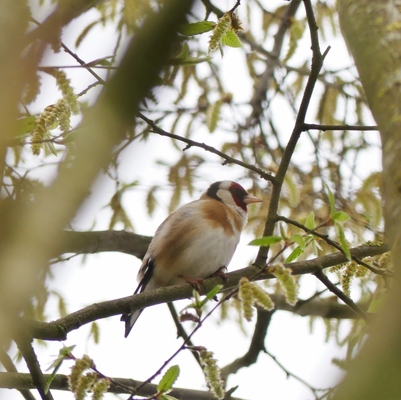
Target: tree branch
191,143
306,127
10,367
181,332
98,241
298,378
12,380
317,63
340,294
334,244
38,380
256,346
58,330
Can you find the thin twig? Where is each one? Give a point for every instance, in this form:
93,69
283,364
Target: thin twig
256,346
191,143
291,374
340,294
335,245
182,347
181,332
306,127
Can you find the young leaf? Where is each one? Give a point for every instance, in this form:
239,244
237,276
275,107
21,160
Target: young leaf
167,397
231,39
196,28
340,216
167,382
310,221
265,241
330,195
299,240
56,364
26,124
211,294
343,240
188,61
294,255
376,303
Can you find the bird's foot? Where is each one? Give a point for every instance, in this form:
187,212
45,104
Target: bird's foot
222,273
193,282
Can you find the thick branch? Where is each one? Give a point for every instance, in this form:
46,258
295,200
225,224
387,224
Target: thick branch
317,63
60,382
58,330
98,241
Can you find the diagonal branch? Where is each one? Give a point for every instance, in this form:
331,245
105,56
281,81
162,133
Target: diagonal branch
192,143
256,346
340,294
334,244
317,63
25,347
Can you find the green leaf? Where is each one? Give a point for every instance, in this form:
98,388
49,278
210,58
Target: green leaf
167,382
51,147
64,353
196,28
376,303
231,39
211,294
343,240
95,332
299,240
265,241
26,125
310,221
331,201
340,216
167,397
189,60
294,255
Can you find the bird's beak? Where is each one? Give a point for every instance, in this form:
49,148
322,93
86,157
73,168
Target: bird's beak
251,199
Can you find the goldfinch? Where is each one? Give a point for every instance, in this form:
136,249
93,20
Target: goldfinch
194,242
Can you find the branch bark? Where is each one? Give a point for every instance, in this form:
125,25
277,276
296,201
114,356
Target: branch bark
12,380
317,63
99,241
58,330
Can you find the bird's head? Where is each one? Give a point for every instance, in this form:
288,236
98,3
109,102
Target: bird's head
231,193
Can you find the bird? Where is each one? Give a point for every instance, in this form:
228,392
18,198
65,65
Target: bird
195,242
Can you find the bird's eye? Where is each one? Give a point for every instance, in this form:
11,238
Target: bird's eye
238,192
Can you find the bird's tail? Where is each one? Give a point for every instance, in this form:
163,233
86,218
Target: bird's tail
130,320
